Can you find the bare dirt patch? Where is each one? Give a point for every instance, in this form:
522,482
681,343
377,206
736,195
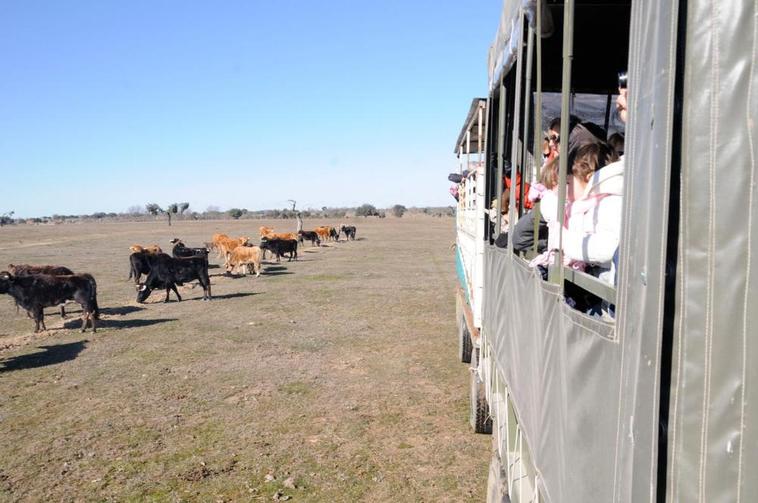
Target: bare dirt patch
332,378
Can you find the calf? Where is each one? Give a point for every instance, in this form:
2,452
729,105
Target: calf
180,250
167,272
333,234
38,291
244,256
323,232
309,235
279,247
226,246
349,231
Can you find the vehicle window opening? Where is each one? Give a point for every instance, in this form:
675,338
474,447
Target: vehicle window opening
582,85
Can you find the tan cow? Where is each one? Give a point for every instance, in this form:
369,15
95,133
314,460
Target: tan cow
243,257
323,233
226,246
281,235
149,249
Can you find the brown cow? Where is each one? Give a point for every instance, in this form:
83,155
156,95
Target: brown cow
149,249
244,256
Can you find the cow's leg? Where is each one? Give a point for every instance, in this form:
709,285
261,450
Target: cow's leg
206,284
168,289
63,311
173,287
39,319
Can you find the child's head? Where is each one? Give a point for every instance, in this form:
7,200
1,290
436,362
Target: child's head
590,157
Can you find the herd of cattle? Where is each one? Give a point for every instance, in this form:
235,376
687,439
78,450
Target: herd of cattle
36,287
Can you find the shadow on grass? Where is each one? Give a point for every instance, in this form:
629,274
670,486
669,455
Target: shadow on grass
50,355
121,311
275,268
267,272
72,311
231,295
119,324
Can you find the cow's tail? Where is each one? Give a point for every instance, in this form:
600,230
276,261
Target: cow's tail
93,298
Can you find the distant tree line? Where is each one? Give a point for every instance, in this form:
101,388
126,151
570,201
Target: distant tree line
182,211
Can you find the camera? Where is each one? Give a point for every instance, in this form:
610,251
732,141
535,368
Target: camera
622,80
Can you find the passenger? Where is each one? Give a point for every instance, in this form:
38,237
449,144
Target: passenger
593,217
554,134
616,141
523,233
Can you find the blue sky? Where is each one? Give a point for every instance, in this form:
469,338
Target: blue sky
106,105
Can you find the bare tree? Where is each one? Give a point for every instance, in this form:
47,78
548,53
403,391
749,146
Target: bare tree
297,215
172,209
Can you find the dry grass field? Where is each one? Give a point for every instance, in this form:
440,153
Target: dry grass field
333,378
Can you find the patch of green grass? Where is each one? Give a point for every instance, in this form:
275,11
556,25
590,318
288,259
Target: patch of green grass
296,388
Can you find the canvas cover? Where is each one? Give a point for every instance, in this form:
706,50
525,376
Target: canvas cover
504,48
587,392
713,432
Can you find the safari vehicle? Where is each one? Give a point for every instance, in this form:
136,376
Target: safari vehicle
660,401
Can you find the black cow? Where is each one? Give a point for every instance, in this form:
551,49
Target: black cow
349,231
334,234
167,272
139,264
28,270
180,250
309,235
279,247
38,291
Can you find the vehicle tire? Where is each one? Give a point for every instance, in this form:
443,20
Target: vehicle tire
465,345
479,414
497,481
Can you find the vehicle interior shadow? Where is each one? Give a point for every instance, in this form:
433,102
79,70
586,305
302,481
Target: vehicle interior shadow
231,295
50,355
115,323
120,311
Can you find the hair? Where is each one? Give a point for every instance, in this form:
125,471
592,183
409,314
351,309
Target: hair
549,173
616,141
555,124
590,157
